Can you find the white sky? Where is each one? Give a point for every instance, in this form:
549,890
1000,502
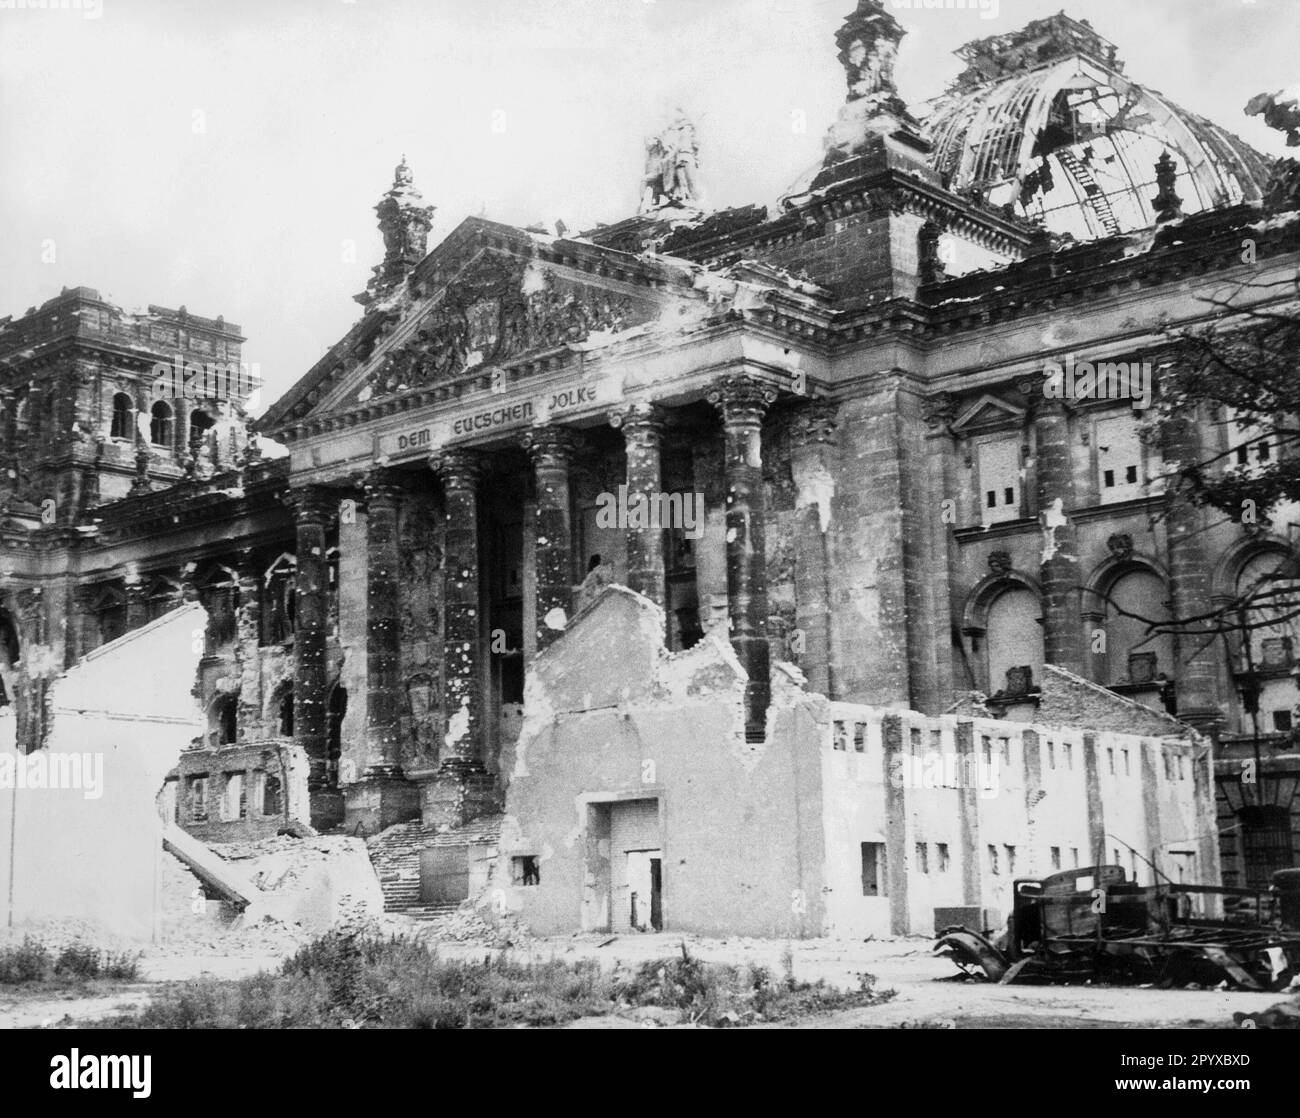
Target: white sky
308,104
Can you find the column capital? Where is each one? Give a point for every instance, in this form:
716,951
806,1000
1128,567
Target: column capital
548,444
310,504
457,467
741,399
640,418
814,424
382,486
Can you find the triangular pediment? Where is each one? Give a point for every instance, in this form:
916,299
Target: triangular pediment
988,411
488,297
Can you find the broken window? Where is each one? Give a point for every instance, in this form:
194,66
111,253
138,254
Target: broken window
524,870
922,857
944,860
1011,858
1110,760
272,802
278,606
1051,754
859,737
234,803
1074,857
873,869
993,859
1056,858
1069,754
197,795
1127,770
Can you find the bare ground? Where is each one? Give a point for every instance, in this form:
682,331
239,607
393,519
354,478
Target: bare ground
928,995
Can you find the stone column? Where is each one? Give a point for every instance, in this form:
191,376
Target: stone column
382,796
383,626
742,403
642,426
248,618
812,446
1195,682
551,449
1059,569
137,605
463,788
312,508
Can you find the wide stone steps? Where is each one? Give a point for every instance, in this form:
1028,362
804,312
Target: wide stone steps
395,854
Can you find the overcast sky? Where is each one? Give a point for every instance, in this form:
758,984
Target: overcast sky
220,155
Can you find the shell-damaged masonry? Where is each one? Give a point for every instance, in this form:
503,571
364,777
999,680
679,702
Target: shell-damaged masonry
734,572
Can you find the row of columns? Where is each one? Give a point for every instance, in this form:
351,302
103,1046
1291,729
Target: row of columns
741,403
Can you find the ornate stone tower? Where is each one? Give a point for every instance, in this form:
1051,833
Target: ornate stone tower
868,50
404,221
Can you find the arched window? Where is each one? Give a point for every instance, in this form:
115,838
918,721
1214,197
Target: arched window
123,417
1015,636
1132,655
200,423
160,424
1269,594
278,606
22,412
219,594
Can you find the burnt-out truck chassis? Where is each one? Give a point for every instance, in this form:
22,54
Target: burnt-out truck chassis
1093,924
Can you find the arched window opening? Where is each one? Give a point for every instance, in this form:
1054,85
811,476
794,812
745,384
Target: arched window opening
123,426
278,606
200,424
1268,594
1132,654
1015,641
219,595
160,424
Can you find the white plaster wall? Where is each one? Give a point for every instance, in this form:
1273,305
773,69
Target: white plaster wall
130,703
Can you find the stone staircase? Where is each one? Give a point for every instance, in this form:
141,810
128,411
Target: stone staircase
395,854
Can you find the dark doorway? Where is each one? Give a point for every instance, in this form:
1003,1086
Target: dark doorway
444,874
656,894
1265,843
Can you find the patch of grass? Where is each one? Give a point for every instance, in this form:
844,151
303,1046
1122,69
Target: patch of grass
31,962
361,980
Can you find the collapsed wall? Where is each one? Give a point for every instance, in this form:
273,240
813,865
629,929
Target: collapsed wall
635,802
80,830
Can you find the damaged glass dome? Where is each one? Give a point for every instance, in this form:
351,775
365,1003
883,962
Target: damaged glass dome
1044,121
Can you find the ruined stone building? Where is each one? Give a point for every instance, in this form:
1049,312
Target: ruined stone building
630,567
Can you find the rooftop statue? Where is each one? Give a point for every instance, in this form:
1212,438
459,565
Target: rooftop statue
672,162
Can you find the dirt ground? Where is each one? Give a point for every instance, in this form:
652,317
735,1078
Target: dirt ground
927,996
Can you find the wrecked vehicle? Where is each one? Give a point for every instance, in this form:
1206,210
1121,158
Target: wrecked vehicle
1093,924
